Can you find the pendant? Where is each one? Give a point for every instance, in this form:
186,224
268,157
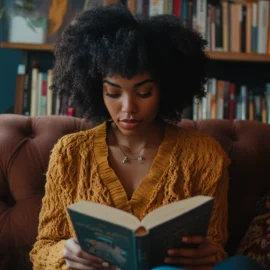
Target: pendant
140,160
125,160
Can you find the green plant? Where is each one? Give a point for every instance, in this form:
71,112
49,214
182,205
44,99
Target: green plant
3,9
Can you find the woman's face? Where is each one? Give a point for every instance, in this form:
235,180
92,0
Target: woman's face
132,103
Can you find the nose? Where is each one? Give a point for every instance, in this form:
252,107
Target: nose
129,105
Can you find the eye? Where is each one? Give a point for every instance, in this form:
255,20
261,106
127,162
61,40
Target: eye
145,95
113,95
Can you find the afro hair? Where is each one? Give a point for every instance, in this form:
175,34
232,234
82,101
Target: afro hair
106,41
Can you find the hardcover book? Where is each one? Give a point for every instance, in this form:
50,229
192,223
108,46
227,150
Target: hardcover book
124,241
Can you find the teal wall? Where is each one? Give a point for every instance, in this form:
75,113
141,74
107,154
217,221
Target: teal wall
9,61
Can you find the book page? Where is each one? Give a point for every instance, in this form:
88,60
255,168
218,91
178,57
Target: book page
106,213
170,211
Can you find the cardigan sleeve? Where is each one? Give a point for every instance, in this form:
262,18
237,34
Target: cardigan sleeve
212,180
48,251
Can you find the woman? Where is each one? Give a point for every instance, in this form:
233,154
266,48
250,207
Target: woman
138,74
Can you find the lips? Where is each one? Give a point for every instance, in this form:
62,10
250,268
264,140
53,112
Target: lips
129,123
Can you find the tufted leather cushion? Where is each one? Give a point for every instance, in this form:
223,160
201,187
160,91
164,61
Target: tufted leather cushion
25,145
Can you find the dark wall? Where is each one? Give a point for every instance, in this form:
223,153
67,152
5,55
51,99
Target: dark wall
9,61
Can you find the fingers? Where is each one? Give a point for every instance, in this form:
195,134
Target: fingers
193,253
79,266
76,258
73,247
194,240
73,261
205,249
201,258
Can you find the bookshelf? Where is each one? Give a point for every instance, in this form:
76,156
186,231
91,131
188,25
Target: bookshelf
222,56
27,47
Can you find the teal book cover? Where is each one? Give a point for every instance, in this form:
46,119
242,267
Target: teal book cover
114,244
124,241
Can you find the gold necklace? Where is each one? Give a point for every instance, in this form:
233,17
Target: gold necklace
126,159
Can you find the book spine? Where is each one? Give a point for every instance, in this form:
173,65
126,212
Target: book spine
243,32
226,100
28,87
243,102
190,14
263,17
264,111
218,28
251,106
195,112
232,101
146,7
132,6
213,29
142,247
208,27
249,28
213,98
165,7
208,97
49,93
254,27
34,92
225,27
43,97
184,12
258,108
201,17
26,95
220,100
139,7
18,108
238,107
194,15
39,94
170,7
156,7
177,8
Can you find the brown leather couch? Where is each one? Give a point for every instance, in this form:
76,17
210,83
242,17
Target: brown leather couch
25,145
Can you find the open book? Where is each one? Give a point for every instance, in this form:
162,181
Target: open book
122,240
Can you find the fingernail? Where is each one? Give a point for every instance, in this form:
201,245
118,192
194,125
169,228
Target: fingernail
185,239
105,264
167,260
170,252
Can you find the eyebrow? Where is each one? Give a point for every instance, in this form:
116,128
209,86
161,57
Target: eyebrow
136,85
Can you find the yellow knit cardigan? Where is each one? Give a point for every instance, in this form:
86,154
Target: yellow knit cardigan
187,164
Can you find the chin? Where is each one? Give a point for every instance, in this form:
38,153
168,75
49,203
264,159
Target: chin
130,131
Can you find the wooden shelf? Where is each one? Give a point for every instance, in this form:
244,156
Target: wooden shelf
27,47
247,57
221,56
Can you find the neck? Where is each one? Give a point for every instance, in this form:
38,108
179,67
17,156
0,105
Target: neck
150,138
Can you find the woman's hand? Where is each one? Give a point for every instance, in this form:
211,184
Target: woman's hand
76,258
202,258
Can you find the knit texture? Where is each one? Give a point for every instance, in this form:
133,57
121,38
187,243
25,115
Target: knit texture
187,164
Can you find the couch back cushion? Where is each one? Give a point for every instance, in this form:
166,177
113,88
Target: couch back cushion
25,145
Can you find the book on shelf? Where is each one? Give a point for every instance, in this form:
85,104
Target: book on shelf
33,96
124,241
226,100
228,25
18,104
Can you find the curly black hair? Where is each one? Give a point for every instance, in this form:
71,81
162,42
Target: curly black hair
110,40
